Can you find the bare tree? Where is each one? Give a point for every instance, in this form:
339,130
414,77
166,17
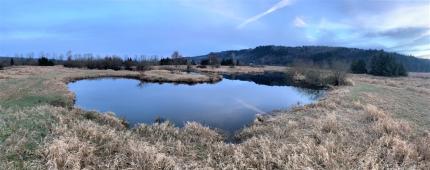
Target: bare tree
176,58
213,60
233,60
189,67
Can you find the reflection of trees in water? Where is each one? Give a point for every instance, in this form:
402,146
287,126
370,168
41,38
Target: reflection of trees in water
311,93
279,79
270,79
142,84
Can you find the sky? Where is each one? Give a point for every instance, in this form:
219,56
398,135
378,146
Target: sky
196,27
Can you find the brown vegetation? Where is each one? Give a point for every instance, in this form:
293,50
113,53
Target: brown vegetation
241,69
347,129
224,69
178,76
318,77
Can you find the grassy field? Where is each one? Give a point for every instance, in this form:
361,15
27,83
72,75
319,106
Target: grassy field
377,123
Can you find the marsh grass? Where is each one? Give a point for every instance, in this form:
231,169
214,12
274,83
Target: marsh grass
347,129
314,77
178,77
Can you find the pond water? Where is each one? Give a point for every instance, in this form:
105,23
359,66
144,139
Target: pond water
228,105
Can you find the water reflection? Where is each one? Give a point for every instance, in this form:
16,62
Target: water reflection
228,105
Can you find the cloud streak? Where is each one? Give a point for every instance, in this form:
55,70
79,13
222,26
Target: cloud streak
251,107
281,4
299,22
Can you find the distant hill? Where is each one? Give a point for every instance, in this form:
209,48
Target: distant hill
318,55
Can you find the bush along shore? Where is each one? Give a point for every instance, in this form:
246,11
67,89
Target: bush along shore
378,123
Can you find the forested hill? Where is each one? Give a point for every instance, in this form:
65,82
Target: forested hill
317,55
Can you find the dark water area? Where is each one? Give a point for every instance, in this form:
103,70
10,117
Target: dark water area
273,79
229,105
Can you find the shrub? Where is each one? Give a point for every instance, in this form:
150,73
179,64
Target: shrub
1,66
142,66
358,67
214,61
318,78
189,67
337,78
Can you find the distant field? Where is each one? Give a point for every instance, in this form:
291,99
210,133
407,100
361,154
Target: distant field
378,123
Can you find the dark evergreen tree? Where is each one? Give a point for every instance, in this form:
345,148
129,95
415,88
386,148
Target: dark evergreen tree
227,62
204,62
401,71
386,65
128,64
12,62
358,67
166,61
45,62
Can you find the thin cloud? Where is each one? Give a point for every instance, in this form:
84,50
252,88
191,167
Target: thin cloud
299,22
249,106
281,4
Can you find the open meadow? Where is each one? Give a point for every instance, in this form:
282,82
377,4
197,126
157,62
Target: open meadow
374,123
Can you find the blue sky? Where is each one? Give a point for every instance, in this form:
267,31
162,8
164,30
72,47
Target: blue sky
194,27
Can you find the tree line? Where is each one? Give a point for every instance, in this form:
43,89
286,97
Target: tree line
382,65
113,62
321,56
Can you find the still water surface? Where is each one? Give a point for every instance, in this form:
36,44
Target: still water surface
227,105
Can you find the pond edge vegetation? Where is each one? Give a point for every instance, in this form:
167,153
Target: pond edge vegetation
82,139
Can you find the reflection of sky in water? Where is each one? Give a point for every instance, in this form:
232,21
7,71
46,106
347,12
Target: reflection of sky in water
228,105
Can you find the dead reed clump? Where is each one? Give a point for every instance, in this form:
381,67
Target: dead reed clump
108,118
69,153
165,131
390,152
139,155
422,144
374,114
87,145
391,127
195,132
329,124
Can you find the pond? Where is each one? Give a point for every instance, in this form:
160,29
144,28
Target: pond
229,105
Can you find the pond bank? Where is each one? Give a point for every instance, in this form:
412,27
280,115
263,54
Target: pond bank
369,125
154,76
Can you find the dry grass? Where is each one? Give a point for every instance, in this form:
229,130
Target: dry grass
178,77
241,69
318,77
352,127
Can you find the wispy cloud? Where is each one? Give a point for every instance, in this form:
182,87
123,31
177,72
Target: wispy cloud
281,4
299,22
249,106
